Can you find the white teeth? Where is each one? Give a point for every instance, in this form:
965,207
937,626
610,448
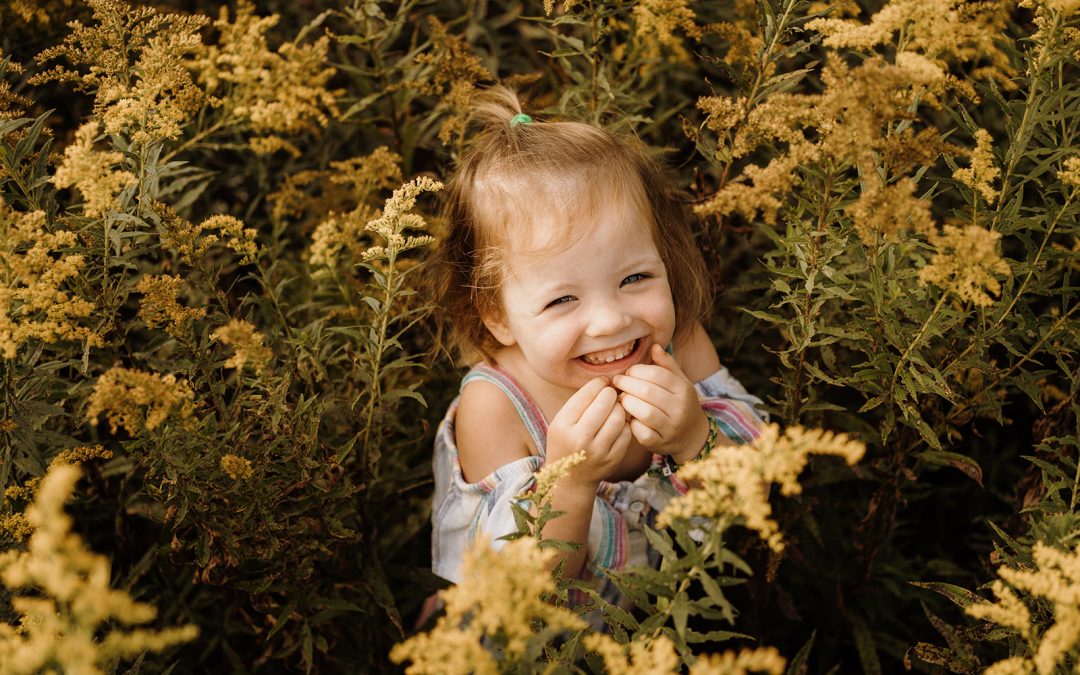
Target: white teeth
622,353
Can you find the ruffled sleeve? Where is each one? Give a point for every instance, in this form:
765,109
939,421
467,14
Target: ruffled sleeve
461,510
725,399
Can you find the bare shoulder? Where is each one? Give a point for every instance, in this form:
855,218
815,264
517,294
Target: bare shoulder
488,430
696,355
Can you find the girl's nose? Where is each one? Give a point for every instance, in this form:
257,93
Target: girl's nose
608,318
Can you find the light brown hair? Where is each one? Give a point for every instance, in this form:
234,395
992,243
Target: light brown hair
566,169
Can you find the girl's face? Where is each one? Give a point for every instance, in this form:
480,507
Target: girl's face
592,309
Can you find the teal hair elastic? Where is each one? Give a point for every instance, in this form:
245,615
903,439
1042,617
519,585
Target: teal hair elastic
520,118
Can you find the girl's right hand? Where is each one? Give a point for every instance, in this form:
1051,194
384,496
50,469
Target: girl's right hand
592,420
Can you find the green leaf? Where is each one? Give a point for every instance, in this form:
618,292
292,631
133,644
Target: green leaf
966,465
959,596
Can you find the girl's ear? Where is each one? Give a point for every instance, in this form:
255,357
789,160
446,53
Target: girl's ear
497,326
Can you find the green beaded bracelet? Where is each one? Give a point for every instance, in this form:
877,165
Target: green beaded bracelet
670,466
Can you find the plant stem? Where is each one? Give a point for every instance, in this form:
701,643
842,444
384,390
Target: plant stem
918,337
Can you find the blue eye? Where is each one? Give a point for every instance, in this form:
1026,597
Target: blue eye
559,301
634,278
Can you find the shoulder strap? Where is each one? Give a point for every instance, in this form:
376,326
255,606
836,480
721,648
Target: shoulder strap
530,414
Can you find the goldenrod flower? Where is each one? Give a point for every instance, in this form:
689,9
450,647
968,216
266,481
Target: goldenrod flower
91,172
639,657
734,480
655,24
887,212
11,104
136,400
134,64
1055,580
454,73
279,91
1070,172
191,241
760,660
159,306
237,468
501,596
33,272
64,625
247,344
983,170
551,472
966,263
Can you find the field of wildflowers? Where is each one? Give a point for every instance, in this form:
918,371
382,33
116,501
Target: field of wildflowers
219,375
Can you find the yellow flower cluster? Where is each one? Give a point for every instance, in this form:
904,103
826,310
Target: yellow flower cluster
276,92
40,11
655,23
16,525
966,263
734,480
1056,580
11,104
91,172
136,400
937,29
33,270
159,306
889,211
455,71
639,657
501,596
1070,172
551,472
236,467
191,241
396,218
247,344
983,170
134,58
63,625
761,660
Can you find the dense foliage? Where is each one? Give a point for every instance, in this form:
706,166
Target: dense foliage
214,223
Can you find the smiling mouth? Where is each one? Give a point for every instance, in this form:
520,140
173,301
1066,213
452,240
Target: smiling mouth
611,355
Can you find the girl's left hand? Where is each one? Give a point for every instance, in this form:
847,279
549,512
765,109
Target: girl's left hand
665,413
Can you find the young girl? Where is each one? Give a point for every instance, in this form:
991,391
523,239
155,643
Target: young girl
571,280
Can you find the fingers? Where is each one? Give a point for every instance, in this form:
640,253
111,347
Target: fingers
644,411
644,434
598,411
612,428
581,401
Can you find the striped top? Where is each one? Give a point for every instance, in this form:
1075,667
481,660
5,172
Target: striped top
621,509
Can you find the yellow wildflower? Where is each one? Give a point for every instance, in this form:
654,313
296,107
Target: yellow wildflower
983,170
237,468
91,172
1070,172
640,657
134,63
551,472
8,425
761,660
501,596
275,92
136,400
15,526
966,263
33,271
11,104
79,455
454,73
756,191
338,233
1055,579
734,480
159,306
64,624
396,217
937,29
655,23
247,344
890,211
191,241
